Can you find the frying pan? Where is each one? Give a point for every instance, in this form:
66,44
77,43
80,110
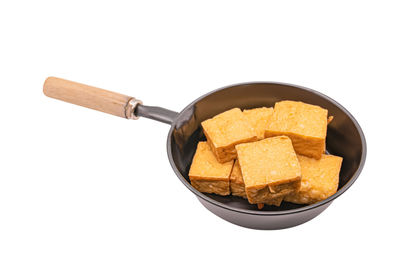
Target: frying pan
344,138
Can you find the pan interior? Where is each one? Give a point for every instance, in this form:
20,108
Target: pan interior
343,138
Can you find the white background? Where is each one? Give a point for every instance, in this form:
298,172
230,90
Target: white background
82,188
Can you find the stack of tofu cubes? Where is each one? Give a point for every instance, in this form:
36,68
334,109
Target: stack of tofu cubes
267,155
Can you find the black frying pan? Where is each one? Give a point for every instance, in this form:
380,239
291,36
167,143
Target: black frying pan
345,138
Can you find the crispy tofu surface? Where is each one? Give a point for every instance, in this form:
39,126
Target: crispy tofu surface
320,179
258,118
236,181
207,174
226,130
304,124
270,168
238,188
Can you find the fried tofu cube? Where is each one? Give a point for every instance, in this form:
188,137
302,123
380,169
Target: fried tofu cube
206,174
236,181
320,179
226,130
304,124
274,201
258,118
270,169
238,188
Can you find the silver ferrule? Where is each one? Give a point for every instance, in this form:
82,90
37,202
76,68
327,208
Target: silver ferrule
130,109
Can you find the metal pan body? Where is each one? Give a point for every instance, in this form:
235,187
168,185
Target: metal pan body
344,138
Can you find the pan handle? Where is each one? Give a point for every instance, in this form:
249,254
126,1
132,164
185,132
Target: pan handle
104,101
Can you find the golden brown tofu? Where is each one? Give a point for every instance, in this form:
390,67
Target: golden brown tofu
320,179
275,201
238,188
304,124
236,181
207,174
226,130
258,118
270,169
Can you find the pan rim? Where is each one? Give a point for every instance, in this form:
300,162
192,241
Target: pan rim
261,212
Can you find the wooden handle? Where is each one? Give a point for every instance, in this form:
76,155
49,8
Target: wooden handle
88,96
